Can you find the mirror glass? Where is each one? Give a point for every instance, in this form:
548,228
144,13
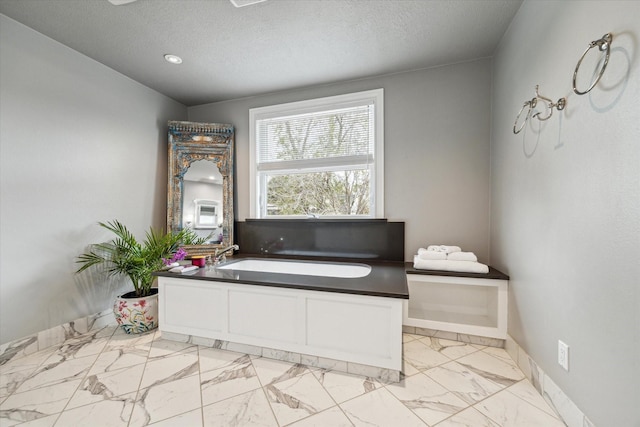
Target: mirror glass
200,187
202,201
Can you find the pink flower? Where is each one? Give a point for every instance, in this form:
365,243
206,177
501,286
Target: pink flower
178,256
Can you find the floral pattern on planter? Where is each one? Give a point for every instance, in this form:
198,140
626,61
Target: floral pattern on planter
137,314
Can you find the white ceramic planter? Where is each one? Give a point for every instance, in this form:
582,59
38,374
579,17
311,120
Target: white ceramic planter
137,314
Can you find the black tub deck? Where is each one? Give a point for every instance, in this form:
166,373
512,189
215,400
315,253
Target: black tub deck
386,279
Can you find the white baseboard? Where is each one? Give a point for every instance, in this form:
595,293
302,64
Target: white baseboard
54,336
555,397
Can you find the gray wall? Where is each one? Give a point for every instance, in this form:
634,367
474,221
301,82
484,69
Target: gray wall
436,150
80,143
565,212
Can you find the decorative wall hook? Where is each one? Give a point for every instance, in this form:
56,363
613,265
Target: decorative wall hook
529,105
562,102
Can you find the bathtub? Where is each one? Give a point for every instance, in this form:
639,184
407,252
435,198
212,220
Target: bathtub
335,315
305,268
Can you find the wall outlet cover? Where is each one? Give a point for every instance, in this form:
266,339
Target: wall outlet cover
563,355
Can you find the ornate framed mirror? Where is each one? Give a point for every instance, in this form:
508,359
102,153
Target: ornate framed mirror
200,187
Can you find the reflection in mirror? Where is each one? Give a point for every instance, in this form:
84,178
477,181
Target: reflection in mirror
206,214
200,187
202,201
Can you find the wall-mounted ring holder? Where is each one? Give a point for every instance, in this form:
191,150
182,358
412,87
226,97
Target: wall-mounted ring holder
531,104
559,105
528,106
604,45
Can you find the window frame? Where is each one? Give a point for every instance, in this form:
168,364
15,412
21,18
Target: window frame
376,183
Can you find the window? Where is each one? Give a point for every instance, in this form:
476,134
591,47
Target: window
322,157
206,213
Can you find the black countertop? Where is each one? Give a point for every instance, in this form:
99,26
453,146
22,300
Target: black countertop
492,274
386,279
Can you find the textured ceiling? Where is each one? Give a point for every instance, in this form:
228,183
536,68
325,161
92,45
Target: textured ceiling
272,46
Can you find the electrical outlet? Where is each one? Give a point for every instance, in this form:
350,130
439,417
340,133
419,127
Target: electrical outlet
563,355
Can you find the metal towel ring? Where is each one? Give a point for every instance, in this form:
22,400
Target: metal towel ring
531,104
603,44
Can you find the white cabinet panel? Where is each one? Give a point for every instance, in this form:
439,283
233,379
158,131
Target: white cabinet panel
355,328
264,315
464,305
360,328
193,306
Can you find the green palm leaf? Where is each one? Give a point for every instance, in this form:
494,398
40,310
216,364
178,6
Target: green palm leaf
124,255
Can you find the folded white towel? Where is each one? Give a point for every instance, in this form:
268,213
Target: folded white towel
462,256
170,266
432,255
447,265
183,269
450,249
444,248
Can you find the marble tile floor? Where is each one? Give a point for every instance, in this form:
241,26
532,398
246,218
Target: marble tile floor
108,378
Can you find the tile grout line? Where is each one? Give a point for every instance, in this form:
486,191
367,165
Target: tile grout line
422,372
135,399
28,376
328,394
469,405
200,387
58,348
264,392
554,415
505,389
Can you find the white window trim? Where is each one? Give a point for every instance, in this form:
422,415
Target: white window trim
310,106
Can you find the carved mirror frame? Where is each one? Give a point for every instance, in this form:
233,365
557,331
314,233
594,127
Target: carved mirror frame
190,142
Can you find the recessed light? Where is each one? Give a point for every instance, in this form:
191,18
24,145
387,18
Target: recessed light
243,3
174,59
120,2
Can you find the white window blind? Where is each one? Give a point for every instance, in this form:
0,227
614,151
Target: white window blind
342,135
319,157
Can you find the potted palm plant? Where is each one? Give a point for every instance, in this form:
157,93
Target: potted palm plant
137,311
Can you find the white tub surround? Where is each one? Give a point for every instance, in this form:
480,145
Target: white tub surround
348,324
365,330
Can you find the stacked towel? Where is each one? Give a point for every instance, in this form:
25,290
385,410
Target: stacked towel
463,256
444,248
435,255
449,265
448,258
